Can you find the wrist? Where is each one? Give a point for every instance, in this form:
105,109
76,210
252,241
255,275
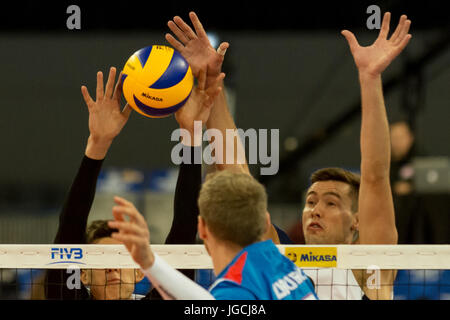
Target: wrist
368,76
97,147
149,262
195,134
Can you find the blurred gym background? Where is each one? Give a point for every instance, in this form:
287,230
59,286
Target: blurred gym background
287,68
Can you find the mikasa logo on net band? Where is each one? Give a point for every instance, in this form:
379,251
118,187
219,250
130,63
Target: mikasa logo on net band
235,142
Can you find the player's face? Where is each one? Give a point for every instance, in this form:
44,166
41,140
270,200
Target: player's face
327,216
111,284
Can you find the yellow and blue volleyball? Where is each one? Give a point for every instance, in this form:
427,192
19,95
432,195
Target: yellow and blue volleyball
157,81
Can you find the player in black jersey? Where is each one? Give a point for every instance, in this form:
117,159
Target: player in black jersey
106,120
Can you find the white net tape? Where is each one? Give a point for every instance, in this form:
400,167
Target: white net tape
195,256
422,271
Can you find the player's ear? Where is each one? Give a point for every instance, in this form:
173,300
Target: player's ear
201,227
355,221
85,277
270,232
268,222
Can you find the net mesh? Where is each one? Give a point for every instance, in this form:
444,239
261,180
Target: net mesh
355,272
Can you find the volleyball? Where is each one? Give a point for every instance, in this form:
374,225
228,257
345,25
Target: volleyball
157,81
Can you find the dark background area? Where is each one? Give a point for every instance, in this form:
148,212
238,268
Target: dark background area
231,15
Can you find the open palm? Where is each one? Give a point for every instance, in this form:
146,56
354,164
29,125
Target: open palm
196,48
374,59
106,119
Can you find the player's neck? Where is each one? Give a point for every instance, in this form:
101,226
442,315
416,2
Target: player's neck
223,254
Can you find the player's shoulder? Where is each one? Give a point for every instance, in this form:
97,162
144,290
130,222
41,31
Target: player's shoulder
225,289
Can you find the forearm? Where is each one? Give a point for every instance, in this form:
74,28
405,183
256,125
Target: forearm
222,120
184,224
376,208
375,141
185,212
76,208
172,284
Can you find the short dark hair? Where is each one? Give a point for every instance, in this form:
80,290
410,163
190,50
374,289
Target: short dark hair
339,174
98,229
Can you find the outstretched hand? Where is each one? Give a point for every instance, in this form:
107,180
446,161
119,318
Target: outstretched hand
196,48
198,106
133,233
106,119
373,60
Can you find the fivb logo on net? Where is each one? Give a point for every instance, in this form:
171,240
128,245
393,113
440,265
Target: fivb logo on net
64,255
69,256
235,140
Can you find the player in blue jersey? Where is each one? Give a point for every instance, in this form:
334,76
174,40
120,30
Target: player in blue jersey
232,222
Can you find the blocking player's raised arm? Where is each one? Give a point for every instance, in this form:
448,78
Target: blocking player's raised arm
106,120
197,108
376,208
196,48
232,153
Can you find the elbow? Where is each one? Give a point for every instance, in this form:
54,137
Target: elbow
384,236
375,173
394,236
391,237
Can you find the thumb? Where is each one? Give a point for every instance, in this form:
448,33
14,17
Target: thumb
223,48
351,39
127,111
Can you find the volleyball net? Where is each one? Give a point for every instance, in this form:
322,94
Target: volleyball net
399,272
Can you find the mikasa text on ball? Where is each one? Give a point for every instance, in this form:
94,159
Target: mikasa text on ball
157,81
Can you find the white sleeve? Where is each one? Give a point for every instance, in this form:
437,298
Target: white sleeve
172,284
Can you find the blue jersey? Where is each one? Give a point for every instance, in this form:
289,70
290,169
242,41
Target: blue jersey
261,272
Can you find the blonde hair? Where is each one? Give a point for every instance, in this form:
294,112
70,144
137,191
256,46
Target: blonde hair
233,206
